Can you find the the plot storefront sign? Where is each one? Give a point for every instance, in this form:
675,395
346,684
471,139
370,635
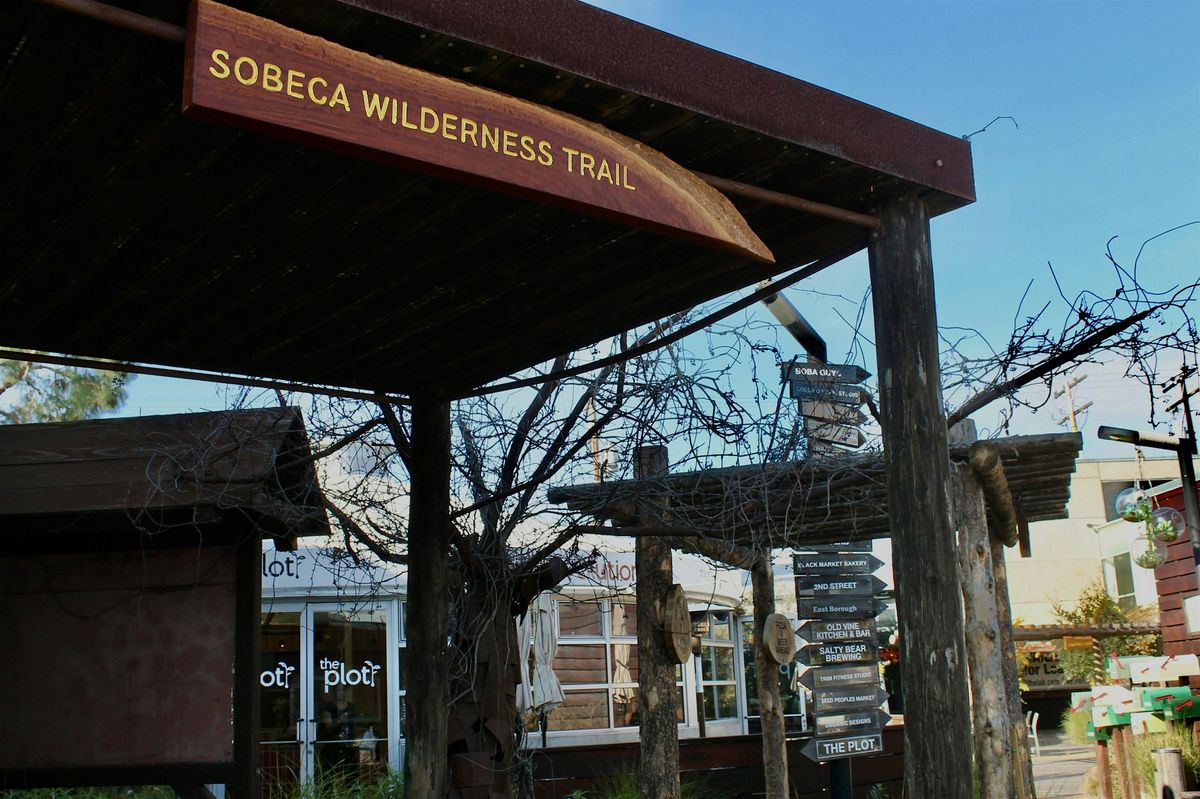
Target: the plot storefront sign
256,73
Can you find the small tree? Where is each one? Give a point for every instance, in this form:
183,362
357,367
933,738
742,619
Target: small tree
35,392
1096,606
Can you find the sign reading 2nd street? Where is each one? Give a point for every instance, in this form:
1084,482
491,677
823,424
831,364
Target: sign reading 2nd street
850,585
819,679
842,563
825,372
839,652
848,746
848,630
834,608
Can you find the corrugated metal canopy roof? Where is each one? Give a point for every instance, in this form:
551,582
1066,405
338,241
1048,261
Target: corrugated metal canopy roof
133,233
803,502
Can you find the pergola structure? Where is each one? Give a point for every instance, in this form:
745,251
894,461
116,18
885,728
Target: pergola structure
136,233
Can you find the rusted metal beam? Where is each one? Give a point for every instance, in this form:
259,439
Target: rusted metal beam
121,18
789,201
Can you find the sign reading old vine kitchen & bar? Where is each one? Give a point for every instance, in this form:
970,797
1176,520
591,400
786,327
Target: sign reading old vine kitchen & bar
256,73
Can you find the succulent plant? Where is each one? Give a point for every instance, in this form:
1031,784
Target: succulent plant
1149,558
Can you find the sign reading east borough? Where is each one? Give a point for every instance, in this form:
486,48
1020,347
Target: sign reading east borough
834,608
255,73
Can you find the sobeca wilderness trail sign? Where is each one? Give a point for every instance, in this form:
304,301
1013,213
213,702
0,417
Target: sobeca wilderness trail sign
256,73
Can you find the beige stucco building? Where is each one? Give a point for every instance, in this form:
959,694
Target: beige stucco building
1067,554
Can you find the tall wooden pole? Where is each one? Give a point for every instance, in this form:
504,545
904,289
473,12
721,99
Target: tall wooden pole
247,641
1022,761
937,737
989,706
658,763
770,704
428,695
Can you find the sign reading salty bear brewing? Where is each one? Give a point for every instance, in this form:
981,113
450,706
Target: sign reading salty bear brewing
259,74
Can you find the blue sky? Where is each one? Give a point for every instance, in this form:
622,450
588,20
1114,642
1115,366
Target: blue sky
1107,99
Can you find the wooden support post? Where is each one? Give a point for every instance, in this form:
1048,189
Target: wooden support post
1103,772
989,706
247,708
937,739
428,698
658,764
1124,778
770,704
1021,759
1168,772
1135,784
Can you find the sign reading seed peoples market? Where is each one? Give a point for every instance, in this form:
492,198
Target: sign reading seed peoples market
256,73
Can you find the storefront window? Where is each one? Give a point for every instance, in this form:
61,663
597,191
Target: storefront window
790,691
597,665
718,681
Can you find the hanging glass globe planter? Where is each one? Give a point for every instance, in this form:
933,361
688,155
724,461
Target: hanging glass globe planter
1132,505
1150,558
1165,524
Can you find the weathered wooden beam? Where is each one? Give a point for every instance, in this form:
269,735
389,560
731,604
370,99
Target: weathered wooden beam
937,760
428,697
989,468
247,627
992,721
658,764
770,704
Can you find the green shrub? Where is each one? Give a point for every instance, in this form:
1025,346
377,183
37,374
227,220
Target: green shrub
1074,725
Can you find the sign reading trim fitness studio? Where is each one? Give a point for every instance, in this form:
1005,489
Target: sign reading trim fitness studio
257,73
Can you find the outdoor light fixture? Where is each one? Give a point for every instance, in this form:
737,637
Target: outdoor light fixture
1152,440
785,312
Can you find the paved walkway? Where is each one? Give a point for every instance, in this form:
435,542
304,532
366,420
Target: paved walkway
1060,770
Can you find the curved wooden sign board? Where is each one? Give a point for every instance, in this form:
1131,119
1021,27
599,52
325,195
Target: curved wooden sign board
677,624
779,640
256,73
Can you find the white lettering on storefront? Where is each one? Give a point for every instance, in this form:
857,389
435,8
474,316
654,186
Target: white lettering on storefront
336,673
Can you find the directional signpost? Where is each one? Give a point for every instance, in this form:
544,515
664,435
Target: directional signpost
829,397
835,596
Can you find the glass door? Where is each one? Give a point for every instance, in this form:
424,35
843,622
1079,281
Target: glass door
284,703
350,692
326,707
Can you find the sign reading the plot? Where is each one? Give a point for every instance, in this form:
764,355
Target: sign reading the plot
847,746
256,73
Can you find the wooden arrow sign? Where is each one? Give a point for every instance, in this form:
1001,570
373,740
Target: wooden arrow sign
803,563
834,433
841,546
834,700
847,630
848,585
848,746
837,653
839,607
823,677
827,392
825,372
859,722
832,412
